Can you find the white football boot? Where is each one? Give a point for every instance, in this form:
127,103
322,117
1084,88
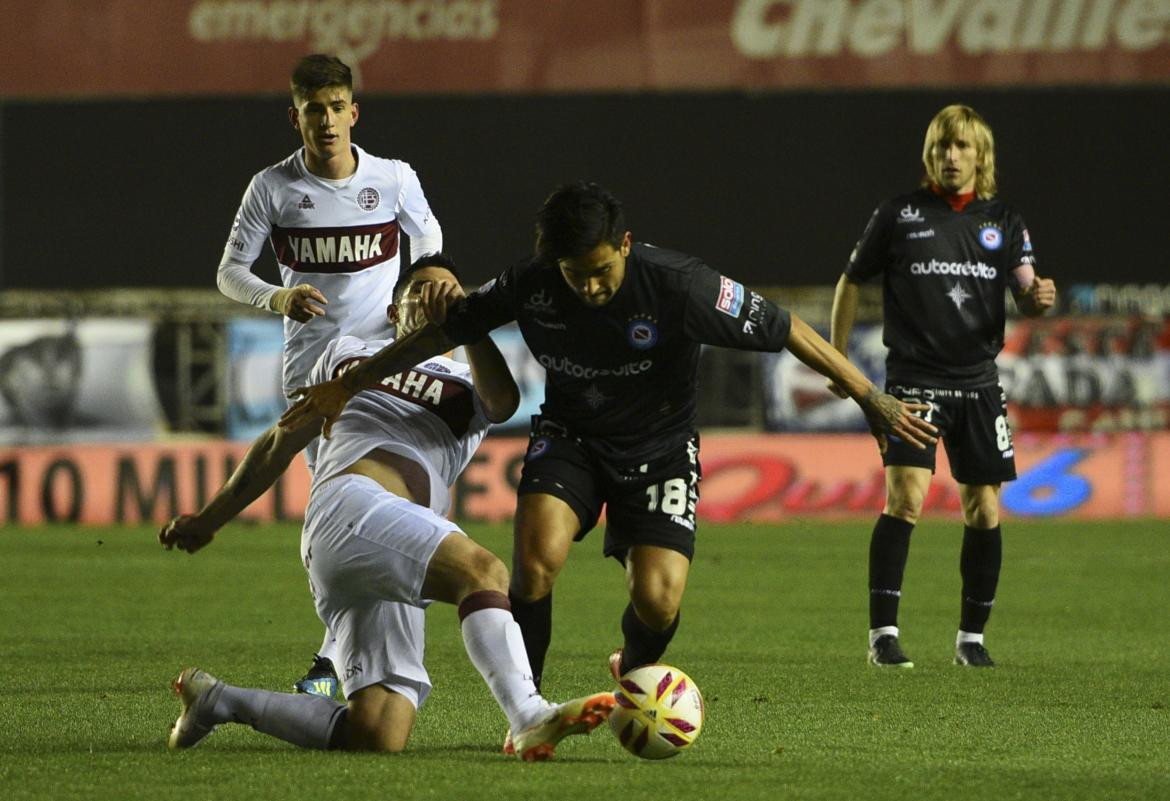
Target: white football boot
198,692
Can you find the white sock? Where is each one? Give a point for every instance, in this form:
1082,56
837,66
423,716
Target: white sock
329,648
304,720
968,636
496,648
881,631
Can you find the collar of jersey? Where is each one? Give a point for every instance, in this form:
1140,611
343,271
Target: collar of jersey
956,202
335,183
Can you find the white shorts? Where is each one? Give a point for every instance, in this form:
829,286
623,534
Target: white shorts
366,551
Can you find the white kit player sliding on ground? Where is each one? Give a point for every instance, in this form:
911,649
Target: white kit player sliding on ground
333,214
377,550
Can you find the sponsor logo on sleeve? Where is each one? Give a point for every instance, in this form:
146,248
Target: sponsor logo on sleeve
730,300
1027,242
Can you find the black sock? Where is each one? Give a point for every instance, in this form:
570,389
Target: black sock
979,565
643,645
535,621
888,548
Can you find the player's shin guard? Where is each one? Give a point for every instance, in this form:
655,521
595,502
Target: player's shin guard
496,648
535,621
979,564
643,645
304,720
889,546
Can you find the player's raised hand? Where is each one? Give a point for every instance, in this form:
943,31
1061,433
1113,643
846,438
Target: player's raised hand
185,532
887,415
299,302
437,297
320,404
1043,293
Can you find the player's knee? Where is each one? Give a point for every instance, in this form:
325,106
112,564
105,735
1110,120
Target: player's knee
480,570
909,513
981,515
534,573
904,505
370,728
980,506
657,605
532,579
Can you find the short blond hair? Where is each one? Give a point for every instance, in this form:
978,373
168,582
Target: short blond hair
955,122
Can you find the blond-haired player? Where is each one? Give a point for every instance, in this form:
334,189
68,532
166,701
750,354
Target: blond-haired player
947,253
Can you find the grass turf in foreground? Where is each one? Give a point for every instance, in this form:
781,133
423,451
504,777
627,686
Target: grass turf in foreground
773,631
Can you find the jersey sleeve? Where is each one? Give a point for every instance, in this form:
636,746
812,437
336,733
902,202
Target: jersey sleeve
416,218
721,311
871,252
1019,242
250,230
487,308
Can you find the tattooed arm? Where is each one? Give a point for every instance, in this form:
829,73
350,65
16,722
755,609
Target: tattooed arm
885,413
263,464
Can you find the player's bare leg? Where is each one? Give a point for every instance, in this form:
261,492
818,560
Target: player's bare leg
468,575
656,578
979,564
889,547
543,532
378,719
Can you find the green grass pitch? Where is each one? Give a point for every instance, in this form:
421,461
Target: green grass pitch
95,623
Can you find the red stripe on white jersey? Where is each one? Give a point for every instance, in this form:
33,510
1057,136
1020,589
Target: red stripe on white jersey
335,250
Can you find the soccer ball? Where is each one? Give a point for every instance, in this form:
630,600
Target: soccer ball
659,711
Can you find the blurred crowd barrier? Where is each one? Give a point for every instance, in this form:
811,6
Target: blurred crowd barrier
130,405
758,477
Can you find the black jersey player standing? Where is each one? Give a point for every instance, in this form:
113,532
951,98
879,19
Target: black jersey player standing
946,252
618,327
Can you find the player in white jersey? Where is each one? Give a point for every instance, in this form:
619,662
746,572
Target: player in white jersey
378,551
333,215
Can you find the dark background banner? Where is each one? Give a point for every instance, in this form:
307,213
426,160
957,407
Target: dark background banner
772,188
185,47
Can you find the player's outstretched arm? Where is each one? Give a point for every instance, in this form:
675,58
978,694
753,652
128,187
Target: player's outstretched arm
264,462
885,413
844,312
494,383
323,402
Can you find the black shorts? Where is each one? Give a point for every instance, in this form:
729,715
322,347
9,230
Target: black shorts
646,504
972,424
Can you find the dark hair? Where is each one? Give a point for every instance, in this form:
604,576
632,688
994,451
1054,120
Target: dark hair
317,71
431,260
575,219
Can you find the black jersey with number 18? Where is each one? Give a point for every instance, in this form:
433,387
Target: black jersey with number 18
624,374
945,273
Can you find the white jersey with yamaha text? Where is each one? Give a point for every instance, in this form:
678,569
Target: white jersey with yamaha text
340,236
429,414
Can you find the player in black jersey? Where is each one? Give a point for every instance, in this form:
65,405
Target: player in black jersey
946,253
617,327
